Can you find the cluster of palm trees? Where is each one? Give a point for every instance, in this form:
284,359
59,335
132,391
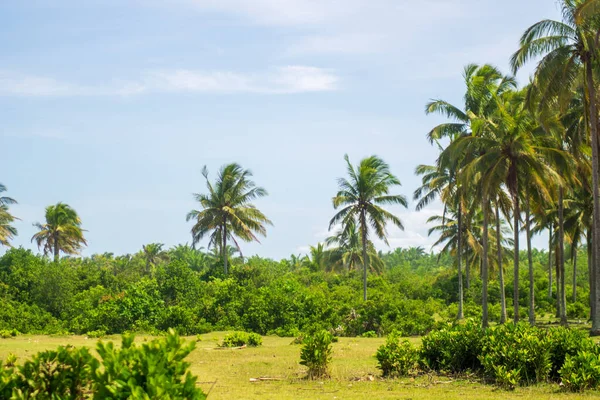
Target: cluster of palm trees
528,154
227,213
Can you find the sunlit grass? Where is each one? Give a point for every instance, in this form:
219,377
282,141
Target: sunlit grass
226,373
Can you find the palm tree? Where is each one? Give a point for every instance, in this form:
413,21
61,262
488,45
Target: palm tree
441,181
569,51
153,253
227,211
361,197
7,231
345,250
61,232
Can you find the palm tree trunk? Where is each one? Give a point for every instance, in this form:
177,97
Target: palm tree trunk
467,271
224,248
363,232
516,214
574,251
530,261
595,184
561,246
590,257
550,261
558,278
460,314
56,249
484,265
500,268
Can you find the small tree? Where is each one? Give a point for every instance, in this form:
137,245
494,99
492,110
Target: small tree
316,354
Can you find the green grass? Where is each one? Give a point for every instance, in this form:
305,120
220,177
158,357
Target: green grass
354,373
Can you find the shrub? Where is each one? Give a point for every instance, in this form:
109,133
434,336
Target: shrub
369,334
523,353
565,342
65,373
397,358
316,353
581,371
96,334
153,370
453,349
238,339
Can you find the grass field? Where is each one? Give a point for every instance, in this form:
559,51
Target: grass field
226,373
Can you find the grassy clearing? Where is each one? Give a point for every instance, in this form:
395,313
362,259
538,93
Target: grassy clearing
354,374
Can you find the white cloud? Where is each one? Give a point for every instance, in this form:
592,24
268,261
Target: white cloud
280,80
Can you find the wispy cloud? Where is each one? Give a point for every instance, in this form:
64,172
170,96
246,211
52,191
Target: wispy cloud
345,43
280,80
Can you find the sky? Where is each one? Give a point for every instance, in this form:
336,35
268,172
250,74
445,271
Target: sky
114,106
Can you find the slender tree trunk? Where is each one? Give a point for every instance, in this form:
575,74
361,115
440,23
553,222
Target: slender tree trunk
561,245
550,261
590,257
224,248
56,249
460,314
574,251
484,265
467,271
595,184
530,261
500,268
363,231
516,215
558,278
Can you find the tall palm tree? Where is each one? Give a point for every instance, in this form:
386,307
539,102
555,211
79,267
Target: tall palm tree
360,198
227,210
61,232
569,53
7,231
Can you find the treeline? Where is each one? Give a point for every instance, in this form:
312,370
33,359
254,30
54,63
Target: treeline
186,289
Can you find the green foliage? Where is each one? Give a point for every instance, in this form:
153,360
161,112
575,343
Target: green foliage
581,371
8,333
369,334
395,357
65,373
96,334
453,349
154,370
238,339
316,353
522,351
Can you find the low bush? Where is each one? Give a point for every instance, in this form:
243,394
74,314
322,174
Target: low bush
397,358
455,348
96,334
316,353
8,333
154,370
238,339
581,371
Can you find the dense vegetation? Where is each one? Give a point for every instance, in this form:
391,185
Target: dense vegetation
186,289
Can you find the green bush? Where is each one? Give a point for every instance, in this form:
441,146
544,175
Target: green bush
565,342
316,353
96,334
396,358
581,371
521,351
453,349
65,373
8,333
238,339
369,334
154,370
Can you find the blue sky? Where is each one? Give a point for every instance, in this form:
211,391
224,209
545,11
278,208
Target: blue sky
114,106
